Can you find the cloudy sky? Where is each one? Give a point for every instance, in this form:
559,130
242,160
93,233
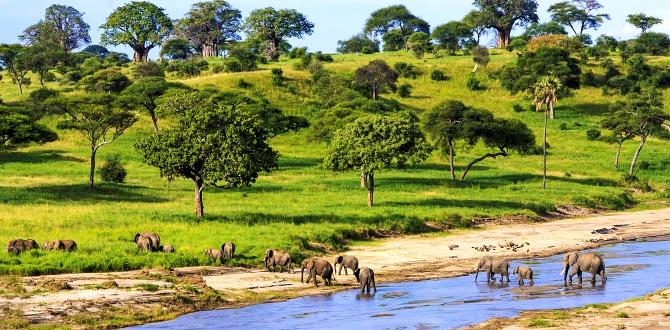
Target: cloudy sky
334,19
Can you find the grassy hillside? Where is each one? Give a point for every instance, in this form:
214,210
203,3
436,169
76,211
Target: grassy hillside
300,206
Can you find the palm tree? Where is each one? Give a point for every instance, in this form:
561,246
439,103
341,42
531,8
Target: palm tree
545,92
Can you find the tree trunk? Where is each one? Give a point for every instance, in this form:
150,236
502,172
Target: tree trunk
631,171
551,110
154,120
371,188
209,50
452,170
477,160
544,152
91,173
18,82
618,153
503,37
140,55
364,180
199,209
374,93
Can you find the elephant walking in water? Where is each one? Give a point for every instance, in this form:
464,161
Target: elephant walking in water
493,266
366,277
589,262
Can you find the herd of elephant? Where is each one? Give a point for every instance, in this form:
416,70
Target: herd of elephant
580,263
148,241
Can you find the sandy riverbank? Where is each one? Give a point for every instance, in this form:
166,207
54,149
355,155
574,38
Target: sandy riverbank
115,299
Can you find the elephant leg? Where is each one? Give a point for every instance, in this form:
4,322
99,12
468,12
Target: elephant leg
593,279
579,276
345,271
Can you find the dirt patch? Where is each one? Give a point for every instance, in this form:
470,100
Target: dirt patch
152,295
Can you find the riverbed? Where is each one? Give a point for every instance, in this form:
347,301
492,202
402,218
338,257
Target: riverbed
633,269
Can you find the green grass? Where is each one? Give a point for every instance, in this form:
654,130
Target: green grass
300,206
622,315
539,323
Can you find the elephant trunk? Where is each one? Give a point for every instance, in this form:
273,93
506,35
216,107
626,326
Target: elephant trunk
476,274
302,274
565,272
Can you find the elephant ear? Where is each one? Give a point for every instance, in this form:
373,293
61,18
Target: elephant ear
60,245
269,253
137,236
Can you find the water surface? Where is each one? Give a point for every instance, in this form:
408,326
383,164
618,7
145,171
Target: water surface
633,269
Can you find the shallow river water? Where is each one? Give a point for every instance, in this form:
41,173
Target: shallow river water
633,269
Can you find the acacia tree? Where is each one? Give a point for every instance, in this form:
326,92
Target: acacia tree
504,15
546,94
41,58
395,18
14,60
97,117
19,126
453,36
579,15
419,43
210,25
377,76
140,24
274,26
62,25
445,124
643,22
645,115
622,130
210,144
477,23
375,142
145,93
503,135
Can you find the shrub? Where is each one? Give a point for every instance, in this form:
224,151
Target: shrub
232,65
455,221
48,77
633,182
42,94
218,68
187,68
406,70
147,69
438,75
106,81
323,57
113,170
644,165
563,127
473,84
73,76
593,134
518,107
622,315
405,90
277,76
297,52
243,84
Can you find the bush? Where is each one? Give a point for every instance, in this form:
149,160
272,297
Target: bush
297,52
113,170
633,182
42,94
644,165
231,65
243,84
147,69
563,127
48,77
73,76
473,84
277,77
323,57
187,68
106,81
518,107
593,134
438,75
405,90
406,70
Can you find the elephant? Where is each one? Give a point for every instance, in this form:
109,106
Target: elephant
167,249
345,262
366,277
493,266
316,267
589,262
278,257
63,245
18,246
228,250
155,240
144,243
524,273
214,254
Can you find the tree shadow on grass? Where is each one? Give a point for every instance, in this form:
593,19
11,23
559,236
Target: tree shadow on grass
582,109
103,193
518,178
539,208
35,157
287,163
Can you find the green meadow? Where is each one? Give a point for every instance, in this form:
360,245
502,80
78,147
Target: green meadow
300,206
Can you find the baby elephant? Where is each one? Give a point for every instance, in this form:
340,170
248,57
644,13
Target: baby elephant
214,254
18,246
345,262
316,267
228,250
67,245
279,258
154,241
366,277
167,249
524,273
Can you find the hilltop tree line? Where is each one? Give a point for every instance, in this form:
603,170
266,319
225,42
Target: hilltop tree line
221,138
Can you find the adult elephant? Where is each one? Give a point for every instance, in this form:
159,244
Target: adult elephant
154,240
493,266
18,246
278,258
588,262
316,267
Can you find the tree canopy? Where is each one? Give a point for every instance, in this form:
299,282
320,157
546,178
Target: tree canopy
140,24
398,17
273,26
62,25
532,66
18,126
374,142
15,59
177,49
145,93
210,25
504,15
377,77
359,43
579,15
210,144
643,22
453,36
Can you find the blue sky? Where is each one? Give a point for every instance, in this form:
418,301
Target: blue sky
334,19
